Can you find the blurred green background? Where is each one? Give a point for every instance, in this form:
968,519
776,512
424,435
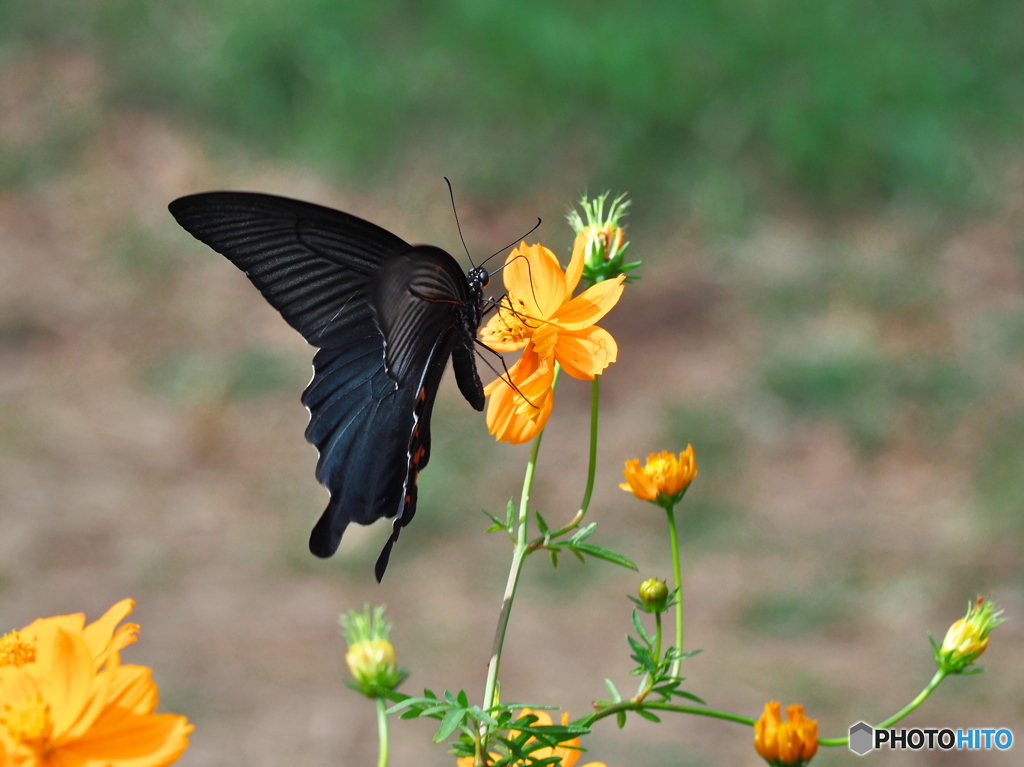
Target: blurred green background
828,199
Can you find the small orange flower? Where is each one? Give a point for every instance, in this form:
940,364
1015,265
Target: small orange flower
540,316
785,744
70,701
568,752
663,479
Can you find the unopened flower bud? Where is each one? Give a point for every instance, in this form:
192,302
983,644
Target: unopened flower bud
785,744
372,662
601,239
654,594
370,657
968,637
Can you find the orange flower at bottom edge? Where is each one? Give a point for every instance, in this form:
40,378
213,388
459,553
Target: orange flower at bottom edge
785,744
70,701
568,752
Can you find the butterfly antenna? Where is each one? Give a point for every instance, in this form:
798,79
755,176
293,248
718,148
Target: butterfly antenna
533,288
517,239
457,224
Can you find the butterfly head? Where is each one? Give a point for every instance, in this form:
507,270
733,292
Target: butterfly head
478,279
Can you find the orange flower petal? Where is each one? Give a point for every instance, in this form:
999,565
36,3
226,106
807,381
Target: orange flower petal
533,274
586,353
66,683
766,741
575,269
105,634
505,420
591,305
638,482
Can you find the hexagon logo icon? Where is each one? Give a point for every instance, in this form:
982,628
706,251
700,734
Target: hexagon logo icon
862,738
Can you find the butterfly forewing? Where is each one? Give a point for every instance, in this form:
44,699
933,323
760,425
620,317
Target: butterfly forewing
311,263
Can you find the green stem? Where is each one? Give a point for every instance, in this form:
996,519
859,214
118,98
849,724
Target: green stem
595,402
595,405
677,576
513,574
632,705
921,697
382,732
657,638
513,579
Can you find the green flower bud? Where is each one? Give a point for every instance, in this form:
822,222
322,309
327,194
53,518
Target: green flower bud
654,594
600,239
968,637
370,657
372,663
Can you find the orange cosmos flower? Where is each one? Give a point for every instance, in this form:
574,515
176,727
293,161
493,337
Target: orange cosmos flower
541,316
568,752
66,699
785,744
663,479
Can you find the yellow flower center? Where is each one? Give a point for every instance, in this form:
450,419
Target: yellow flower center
15,651
30,724
512,326
661,469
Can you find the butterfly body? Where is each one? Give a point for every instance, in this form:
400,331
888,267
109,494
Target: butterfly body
385,316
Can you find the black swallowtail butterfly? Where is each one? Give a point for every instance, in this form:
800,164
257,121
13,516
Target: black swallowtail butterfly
384,316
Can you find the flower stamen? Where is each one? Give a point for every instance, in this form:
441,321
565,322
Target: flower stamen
15,651
30,724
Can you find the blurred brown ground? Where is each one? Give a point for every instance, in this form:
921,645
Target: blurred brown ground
134,463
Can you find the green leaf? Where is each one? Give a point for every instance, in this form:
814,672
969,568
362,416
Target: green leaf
647,715
542,525
498,524
689,696
620,719
554,557
449,724
510,514
639,626
605,554
583,533
612,690
482,716
434,711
